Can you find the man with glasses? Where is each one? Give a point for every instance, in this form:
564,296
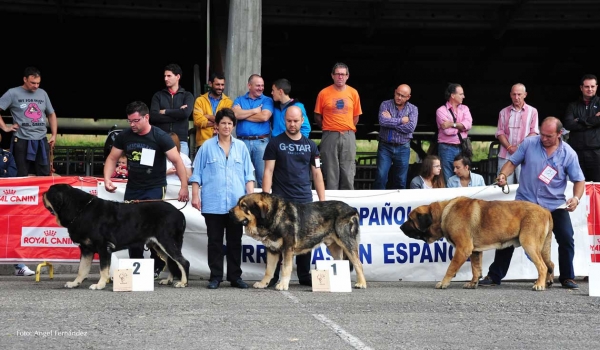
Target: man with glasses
582,119
146,148
336,112
397,120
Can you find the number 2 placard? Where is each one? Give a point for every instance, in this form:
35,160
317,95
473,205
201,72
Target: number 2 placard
142,273
339,276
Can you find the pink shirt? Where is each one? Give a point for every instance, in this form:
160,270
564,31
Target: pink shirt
463,116
516,125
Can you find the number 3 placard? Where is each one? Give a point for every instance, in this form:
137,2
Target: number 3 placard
142,275
339,274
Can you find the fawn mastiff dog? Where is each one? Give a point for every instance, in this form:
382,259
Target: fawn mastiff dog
290,229
474,225
102,226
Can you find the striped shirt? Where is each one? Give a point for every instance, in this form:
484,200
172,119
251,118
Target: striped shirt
516,125
392,130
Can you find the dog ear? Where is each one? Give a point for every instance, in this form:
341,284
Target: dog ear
264,209
424,221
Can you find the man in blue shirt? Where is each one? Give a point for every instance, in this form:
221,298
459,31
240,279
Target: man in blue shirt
398,120
253,111
281,96
546,164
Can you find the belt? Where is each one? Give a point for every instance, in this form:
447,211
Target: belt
253,137
391,143
340,132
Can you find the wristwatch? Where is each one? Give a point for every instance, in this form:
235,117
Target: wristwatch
454,125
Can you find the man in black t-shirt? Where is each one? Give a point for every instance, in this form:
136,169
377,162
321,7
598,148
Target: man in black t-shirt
290,158
146,148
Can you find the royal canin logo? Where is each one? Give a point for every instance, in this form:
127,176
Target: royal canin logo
10,191
50,233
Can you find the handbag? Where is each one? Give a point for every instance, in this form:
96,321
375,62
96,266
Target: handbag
466,149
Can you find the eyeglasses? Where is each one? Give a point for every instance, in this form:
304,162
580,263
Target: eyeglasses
133,121
437,166
400,95
340,74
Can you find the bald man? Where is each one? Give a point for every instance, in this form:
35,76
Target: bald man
397,120
515,123
290,158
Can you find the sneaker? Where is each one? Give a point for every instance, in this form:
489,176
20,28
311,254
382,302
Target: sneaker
570,284
24,272
156,274
487,282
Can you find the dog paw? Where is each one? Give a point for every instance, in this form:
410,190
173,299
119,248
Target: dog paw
71,284
282,286
165,282
260,285
538,287
360,285
178,284
440,285
97,286
470,285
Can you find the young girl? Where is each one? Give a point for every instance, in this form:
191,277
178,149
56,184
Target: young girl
430,174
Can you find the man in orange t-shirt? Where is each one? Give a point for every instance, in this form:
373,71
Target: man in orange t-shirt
336,111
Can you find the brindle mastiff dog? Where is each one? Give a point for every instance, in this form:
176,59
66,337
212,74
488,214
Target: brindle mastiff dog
290,229
474,225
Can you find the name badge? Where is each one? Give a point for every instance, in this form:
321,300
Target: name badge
147,157
547,174
317,162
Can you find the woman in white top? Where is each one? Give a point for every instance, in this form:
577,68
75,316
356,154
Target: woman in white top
172,178
429,177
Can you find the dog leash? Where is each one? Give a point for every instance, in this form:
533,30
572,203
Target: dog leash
136,201
488,186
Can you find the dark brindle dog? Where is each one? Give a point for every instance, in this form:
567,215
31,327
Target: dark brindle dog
290,229
475,225
101,226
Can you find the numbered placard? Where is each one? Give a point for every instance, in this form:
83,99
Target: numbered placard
142,276
339,274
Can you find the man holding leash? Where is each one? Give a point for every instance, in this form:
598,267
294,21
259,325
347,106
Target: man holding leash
290,158
547,163
147,149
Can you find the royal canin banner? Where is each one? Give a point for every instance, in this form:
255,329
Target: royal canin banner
28,233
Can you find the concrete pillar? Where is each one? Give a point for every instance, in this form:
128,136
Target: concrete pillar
244,45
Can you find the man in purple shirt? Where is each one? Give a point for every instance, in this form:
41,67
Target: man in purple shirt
546,164
397,120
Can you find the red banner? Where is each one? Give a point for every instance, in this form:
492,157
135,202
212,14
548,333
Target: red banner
593,192
30,232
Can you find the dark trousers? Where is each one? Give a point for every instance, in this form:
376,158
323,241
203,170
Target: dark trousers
25,167
589,160
563,232
216,226
137,252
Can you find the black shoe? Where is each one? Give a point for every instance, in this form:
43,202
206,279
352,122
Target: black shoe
239,283
570,284
213,284
273,282
487,282
305,282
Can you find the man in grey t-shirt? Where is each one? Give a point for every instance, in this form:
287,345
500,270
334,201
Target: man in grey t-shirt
30,108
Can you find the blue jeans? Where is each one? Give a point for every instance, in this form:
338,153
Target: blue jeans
563,232
396,157
185,149
19,266
447,152
257,151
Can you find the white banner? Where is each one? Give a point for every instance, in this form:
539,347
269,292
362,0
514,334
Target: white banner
386,253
